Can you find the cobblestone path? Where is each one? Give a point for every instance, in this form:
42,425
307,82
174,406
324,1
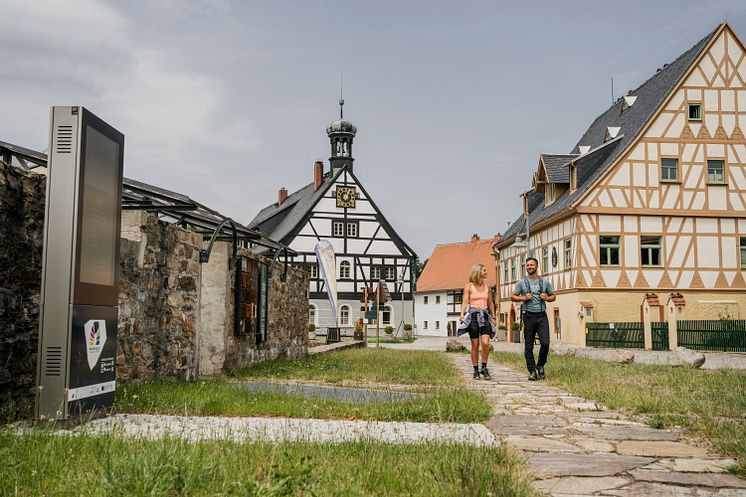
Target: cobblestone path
578,448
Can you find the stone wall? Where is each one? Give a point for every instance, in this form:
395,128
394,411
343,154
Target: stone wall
159,299
220,348
21,244
287,331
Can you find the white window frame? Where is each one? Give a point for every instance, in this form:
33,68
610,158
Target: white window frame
669,168
344,320
568,253
544,260
391,315
650,248
351,230
437,325
390,273
313,271
425,299
344,270
723,179
338,229
742,250
608,247
437,299
424,325
313,314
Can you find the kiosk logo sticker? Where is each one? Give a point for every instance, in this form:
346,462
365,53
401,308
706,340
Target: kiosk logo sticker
95,333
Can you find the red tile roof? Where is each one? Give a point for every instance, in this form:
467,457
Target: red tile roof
449,265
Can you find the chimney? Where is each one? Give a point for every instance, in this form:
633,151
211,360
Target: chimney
318,174
282,195
474,238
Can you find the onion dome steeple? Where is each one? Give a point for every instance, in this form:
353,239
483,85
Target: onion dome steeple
341,134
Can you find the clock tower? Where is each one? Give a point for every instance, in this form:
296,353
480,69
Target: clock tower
341,133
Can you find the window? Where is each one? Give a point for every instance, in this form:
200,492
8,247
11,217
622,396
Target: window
424,300
386,316
512,269
344,315
544,260
609,255
523,265
437,325
344,270
549,196
505,272
390,273
437,299
573,177
743,252
669,169
716,171
424,325
312,314
568,253
313,271
338,228
650,250
352,230
375,274
695,112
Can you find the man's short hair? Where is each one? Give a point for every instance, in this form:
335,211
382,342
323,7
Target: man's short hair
532,259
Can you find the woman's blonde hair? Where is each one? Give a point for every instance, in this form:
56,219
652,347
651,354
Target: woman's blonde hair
475,274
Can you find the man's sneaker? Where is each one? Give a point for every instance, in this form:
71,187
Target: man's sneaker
540,373
533,376
476,374
486,374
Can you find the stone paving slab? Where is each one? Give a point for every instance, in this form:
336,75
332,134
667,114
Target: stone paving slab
614,455
288,429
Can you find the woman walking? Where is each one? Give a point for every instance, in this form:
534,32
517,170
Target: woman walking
477,317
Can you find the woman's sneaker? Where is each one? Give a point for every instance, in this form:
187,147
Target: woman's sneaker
486,374
533,376
541,374
476,375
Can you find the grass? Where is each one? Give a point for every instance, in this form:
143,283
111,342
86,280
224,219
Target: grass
221,398
428,372
359,366
707,403
42,463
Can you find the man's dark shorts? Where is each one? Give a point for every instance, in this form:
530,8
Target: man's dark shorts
475,331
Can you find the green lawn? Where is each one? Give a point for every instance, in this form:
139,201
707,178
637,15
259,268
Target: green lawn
406,367
221,398
48,464
708,403
427,372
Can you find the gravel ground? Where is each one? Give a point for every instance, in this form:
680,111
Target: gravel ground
288,429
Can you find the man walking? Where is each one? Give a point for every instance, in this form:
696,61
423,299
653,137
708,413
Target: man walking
534,292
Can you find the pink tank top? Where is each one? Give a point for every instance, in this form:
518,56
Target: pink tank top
478,299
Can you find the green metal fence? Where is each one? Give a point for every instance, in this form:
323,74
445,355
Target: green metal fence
660,335
625,335
725,335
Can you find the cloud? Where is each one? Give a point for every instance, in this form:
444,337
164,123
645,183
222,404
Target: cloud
86,53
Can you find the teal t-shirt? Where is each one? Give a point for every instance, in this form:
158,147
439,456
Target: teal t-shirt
535,304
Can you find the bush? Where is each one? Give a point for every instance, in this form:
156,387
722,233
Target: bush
311,327
501,327
407,327
359,325
389,330
515,326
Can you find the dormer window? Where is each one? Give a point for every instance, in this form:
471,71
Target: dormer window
550,193
627,102
695,111
611,132
573,177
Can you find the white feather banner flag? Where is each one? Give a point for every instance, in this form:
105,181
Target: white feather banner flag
328,267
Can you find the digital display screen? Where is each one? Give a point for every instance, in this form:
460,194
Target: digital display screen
99,217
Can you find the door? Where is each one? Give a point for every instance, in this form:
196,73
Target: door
557,324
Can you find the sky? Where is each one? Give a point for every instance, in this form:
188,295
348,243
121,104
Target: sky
227,102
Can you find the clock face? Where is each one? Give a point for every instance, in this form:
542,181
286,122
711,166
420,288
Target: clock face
346,196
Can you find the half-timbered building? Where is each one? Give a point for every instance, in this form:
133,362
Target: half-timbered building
652,198
336,206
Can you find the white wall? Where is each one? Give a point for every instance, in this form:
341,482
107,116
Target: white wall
432,313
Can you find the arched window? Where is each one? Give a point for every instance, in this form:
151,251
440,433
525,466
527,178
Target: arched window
344,270
312,314
387,316
344,315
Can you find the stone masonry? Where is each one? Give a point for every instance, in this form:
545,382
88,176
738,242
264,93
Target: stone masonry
159,299
579,448
21,244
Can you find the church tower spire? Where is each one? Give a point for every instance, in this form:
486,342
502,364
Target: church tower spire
341,134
